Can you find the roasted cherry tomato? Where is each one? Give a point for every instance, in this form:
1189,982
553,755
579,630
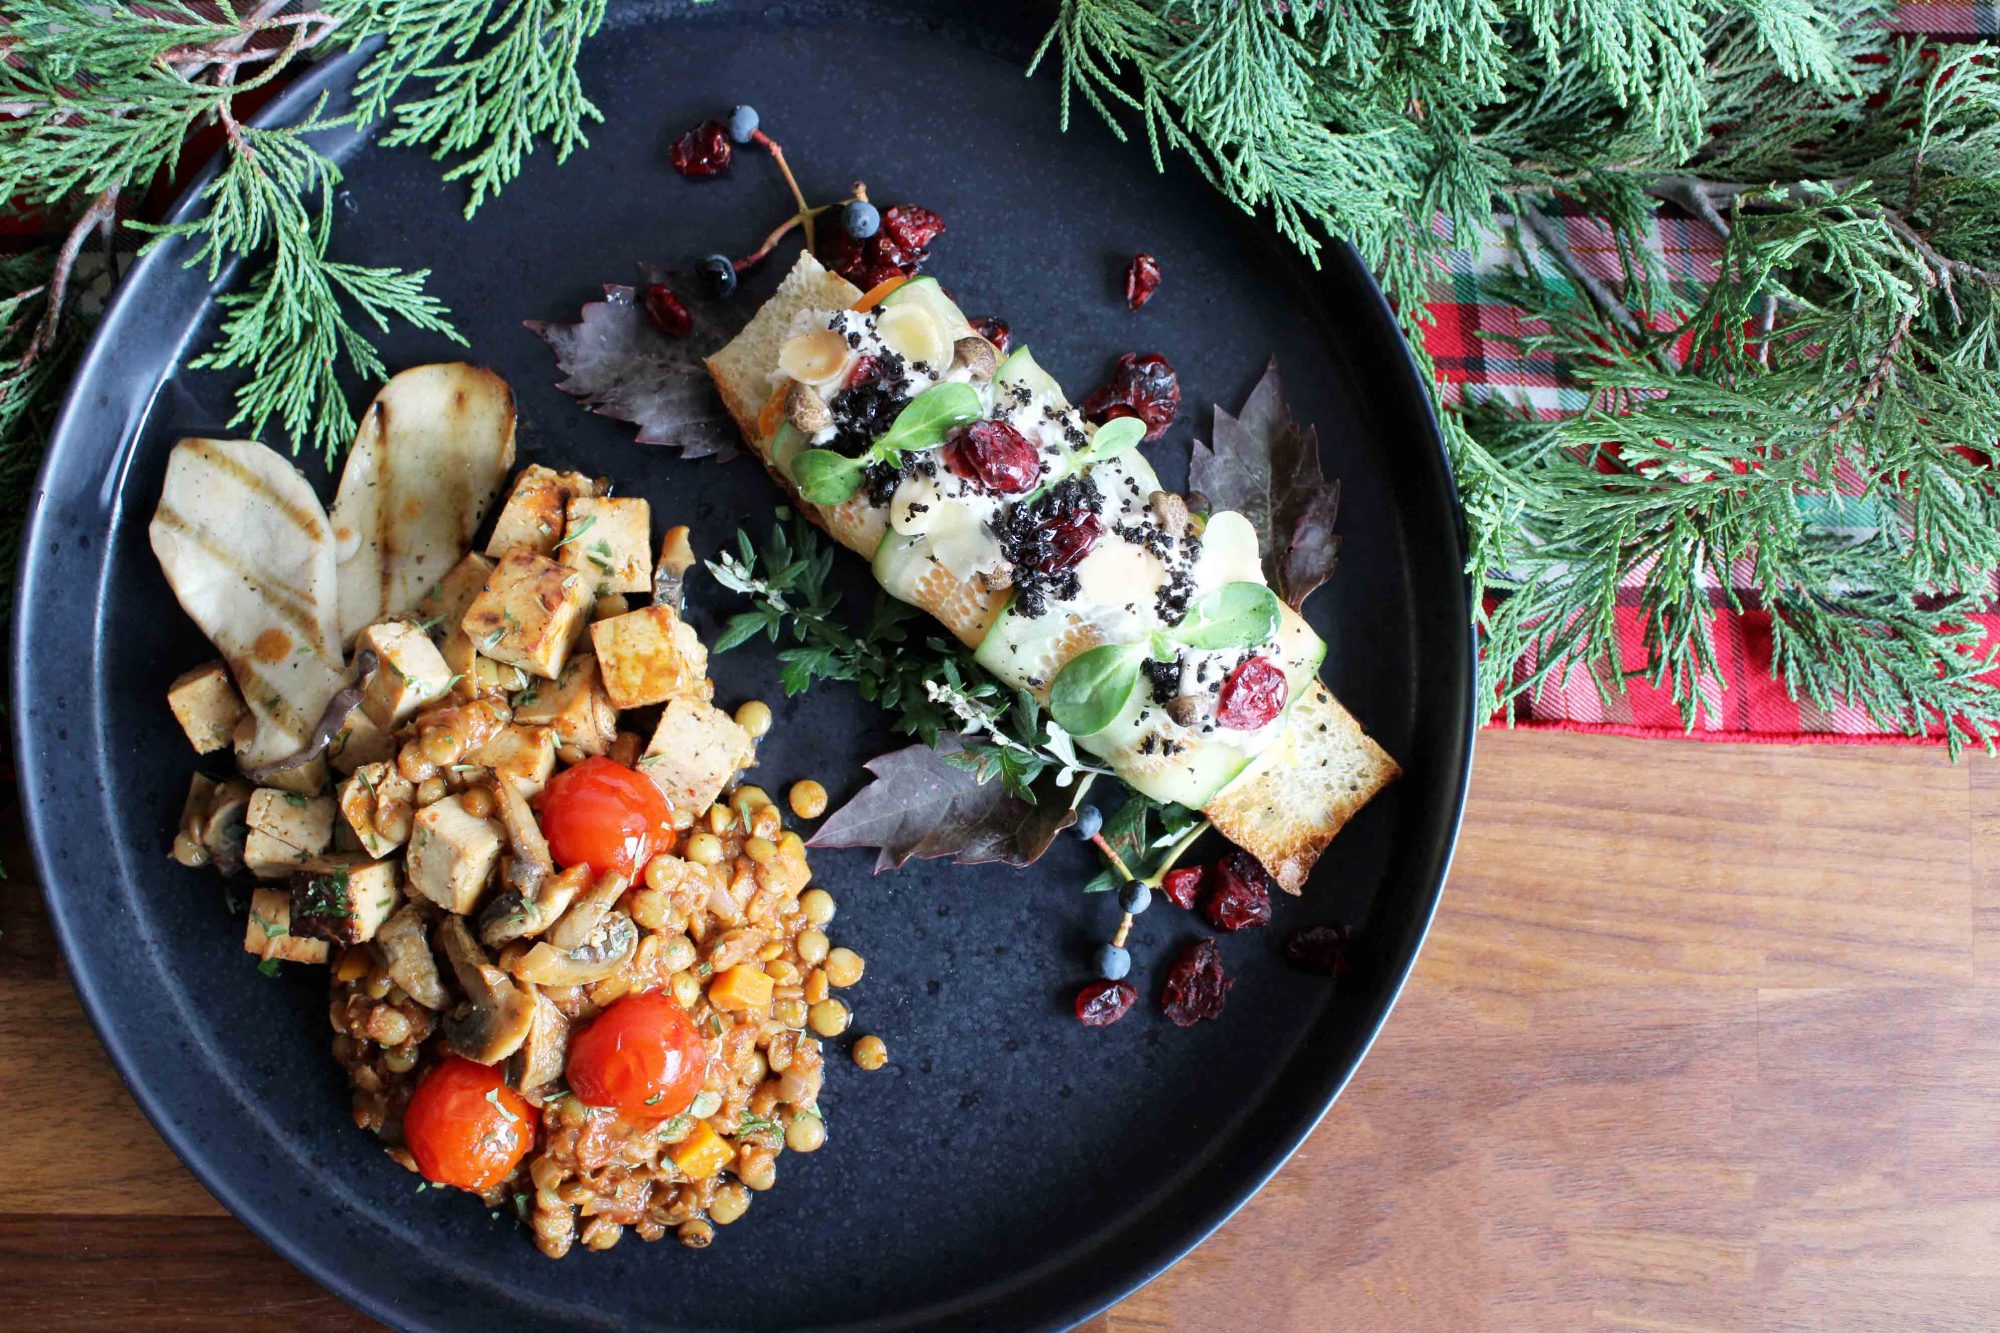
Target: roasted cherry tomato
641,1056
466,1127
604,815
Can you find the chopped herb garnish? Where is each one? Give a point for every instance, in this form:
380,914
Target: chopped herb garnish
654,1100
493,1096
293,798
269,967
492,641
589,522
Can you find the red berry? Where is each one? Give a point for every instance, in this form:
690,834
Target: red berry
1181,886
1321,949
1071,538
702,151
993,330
1145,387
911,227
666,311
996,456
1239,893
1142,279
1254,694
1103,1003
1196,987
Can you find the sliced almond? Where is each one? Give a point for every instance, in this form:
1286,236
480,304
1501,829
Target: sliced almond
911,333
816,356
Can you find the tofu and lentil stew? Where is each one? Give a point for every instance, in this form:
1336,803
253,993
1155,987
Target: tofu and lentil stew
577,966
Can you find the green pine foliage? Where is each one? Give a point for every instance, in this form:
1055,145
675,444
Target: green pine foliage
1854,175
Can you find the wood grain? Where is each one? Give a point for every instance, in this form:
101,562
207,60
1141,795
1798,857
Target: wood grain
1705,1037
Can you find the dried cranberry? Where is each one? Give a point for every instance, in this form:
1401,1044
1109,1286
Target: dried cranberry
996,456
1145,387
1239,893
666,312
1103,1003
1070,539
993,330
1195,986
1321,949
911,227
702,151
1181,886
1254,694
1142,279
865,368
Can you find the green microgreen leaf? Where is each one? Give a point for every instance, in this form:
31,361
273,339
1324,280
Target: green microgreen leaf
1236,615
1093,687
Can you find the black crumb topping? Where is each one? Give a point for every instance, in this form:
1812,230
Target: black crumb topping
1028,538
864,411
881,479
1164,675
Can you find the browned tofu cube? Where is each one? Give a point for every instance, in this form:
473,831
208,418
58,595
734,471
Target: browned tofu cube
574,706
344,899
695,751
610,540
409,672
531,613
360,742
524,756
452,854
207,706
378,803
648,656
285,831
308,779
269,933
534,513
442,613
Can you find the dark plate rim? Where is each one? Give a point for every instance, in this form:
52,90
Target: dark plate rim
1410,397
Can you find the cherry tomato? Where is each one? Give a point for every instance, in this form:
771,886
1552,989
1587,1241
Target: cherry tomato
466,1127
604,815
642,1056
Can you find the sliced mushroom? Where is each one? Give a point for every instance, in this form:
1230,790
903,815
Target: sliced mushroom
332,720
607,949
405,947
1186,709
512,915
539,1062
805,409
1169,511
225,828
676,559
493,1022
589,908
976,355
532,861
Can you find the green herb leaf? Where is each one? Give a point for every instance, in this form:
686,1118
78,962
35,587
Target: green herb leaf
1093,688
1236,615
931,415
825,477
1116,436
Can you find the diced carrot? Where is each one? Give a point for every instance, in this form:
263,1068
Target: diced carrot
702,1153
873,296
773,414
741,987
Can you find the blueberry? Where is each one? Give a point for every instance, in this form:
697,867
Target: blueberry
1135,897
743,123
860,220
718,275
1089,820
1113,962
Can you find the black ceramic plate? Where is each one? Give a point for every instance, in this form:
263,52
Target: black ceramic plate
1009,1168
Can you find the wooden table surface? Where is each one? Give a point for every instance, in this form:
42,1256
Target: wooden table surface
1704,1037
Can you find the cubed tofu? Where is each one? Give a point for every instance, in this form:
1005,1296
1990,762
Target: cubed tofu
207,706
649,656
610,540
409,672
442,612
378,803
286,830
359,743
477,675
344,899
452,854
308,779
530,614
524,756
695,751
534,512
574,706
269,933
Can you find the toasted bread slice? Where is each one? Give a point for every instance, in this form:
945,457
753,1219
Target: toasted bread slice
1283,810
1287,806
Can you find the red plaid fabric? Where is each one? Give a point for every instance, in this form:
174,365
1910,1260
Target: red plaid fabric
1474,367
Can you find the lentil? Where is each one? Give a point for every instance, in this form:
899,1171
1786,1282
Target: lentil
755,718
808,799
871,1052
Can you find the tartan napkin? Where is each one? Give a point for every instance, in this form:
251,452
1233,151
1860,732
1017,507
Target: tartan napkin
1473,367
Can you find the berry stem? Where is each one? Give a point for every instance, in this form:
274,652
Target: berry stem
777,152
1117,864
1174,854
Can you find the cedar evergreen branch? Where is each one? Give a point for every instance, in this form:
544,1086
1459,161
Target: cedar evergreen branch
1854,331
98,100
